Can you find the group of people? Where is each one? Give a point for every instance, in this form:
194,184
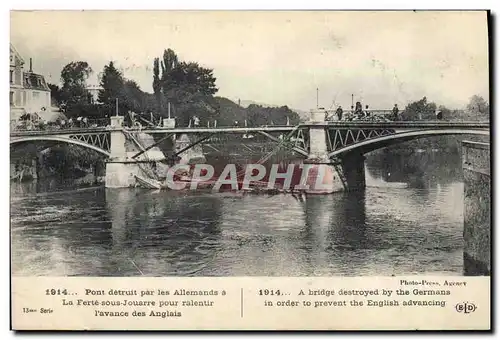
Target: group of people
356,113
80,122
359,113
34,122
196,122
63,123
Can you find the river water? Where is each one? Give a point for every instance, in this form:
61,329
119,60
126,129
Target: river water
62,230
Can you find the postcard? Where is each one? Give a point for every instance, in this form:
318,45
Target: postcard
250,170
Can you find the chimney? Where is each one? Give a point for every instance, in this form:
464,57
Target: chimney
31,65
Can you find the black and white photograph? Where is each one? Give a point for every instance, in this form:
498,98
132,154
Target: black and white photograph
249,143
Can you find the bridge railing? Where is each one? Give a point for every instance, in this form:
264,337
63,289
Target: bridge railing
371,111
364,122
73,124
350,114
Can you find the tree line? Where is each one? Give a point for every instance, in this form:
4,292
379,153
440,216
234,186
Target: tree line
183,89
477,109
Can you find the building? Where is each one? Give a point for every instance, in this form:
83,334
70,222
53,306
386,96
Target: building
29,92
94,92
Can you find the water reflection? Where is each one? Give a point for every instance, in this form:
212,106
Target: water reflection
155,233
419,169
334,227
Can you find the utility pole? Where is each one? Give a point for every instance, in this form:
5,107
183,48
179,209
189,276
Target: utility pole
317,98
352,100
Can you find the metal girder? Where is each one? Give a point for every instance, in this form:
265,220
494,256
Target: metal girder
386,137
100,140
277,140
169,135
201,140
340,138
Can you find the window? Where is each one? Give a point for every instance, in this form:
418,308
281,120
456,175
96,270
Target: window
11,98
33,80
12,76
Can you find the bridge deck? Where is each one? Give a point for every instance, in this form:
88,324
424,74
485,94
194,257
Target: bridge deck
337,125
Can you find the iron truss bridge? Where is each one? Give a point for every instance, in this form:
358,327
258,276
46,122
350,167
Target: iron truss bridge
342,137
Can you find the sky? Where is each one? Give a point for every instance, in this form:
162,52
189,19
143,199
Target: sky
277,58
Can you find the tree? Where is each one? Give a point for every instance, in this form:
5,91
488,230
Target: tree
134,97
446,113
162,82
112,83
187,86
157,84
190,88
258,115
168,65
128,92
477,105
192,78
116,86
55,94
73,77
420,110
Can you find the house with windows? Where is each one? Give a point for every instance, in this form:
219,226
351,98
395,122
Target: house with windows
29,92
93,90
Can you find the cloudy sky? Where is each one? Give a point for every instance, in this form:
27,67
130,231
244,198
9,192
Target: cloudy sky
277,57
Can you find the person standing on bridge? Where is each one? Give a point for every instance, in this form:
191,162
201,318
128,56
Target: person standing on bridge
395,112
196,121
131,115
339,112
358,111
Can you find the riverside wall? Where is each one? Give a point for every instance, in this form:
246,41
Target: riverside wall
477,208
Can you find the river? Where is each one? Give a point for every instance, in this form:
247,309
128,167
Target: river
60,229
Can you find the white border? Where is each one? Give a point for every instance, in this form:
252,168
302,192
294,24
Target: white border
255,4
186,4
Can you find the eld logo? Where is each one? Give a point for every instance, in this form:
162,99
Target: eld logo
465,307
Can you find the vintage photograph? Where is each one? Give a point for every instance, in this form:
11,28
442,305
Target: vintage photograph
249,143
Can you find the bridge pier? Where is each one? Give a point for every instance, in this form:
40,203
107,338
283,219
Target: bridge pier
353,166
119,171
120,174
346,174
323,177
477,208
